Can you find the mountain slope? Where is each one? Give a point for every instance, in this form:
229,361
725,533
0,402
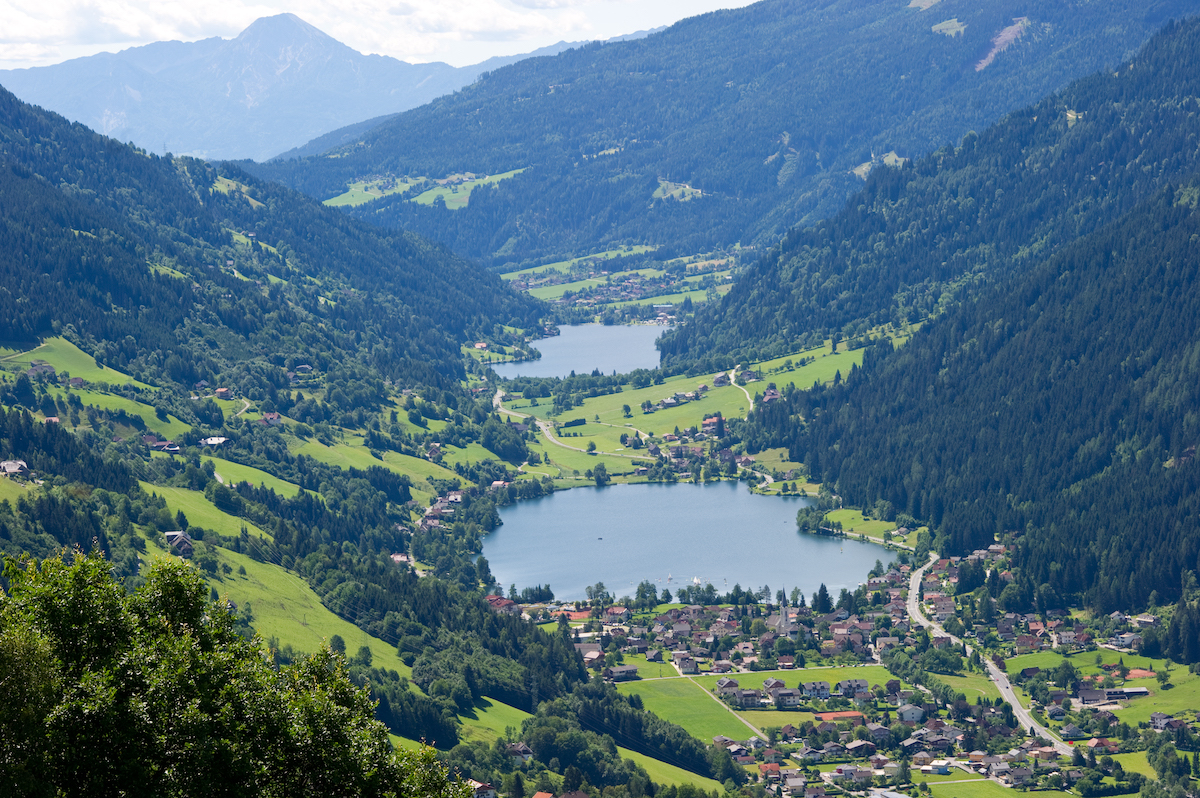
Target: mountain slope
142,261
916,237
764,110
277,85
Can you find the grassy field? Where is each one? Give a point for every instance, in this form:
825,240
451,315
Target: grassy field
972,686
285,607
201,512
662,773
491,718
236,472
686,704
766,718
1136,763
565,266
1183,696
363,191
171,428
977,788
933,778
349,455
548,292
11,490
672,299
874,674
853,523
65,356
457,197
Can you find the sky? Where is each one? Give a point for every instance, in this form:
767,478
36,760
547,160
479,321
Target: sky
459,32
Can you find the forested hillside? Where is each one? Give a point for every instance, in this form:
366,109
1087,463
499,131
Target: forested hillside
754,118
919,237
178,271
1058,409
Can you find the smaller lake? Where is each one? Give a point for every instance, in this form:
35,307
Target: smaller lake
583,348
621,534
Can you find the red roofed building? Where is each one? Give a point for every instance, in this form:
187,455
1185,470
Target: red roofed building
501,604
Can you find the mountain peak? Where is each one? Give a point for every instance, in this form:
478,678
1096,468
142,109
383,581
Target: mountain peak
283,30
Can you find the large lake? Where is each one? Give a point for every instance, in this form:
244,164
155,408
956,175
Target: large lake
622,534
584,347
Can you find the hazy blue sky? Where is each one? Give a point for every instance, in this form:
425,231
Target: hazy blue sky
457,31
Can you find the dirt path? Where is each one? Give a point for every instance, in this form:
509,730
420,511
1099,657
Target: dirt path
245,407
753,729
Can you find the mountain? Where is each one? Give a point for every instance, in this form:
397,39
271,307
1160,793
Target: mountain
1052,404
149,262
728,127
277,85
350,133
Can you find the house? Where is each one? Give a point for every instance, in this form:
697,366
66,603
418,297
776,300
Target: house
922,758
621,673
688,665
771,755
815,689
851,687
860,748
1072,732
181,542
879,732
216,440
795,785
14,468
773,684
787,697
224,393
271,419
503,605
814,791
481,789
614,614
520,751
747,698
786,661
543,795
908,713
1160,721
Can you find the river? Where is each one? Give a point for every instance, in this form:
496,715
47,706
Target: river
584,347
621,534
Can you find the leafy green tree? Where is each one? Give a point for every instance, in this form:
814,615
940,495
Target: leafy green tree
155,694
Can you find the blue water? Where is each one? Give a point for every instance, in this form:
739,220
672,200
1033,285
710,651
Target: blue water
584,347
622,534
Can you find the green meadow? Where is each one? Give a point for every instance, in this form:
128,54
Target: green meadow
684,703
972,686
566,265
457,196
233,473
697,295
363,191
65,356
201,512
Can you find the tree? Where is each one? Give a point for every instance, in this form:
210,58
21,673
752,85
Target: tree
822,604
600,474
625,409
591,447
89,713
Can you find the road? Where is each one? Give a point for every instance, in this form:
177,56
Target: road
548,429
997,676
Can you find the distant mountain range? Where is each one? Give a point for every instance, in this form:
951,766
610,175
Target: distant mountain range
727,127
274,87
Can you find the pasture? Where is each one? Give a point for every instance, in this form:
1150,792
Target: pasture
566,266
65,356
685,703
201,512
457,192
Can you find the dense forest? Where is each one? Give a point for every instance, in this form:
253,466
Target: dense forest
1057,412
760,109
919,238
178,271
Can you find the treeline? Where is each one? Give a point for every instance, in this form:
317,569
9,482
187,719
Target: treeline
920,238
760,108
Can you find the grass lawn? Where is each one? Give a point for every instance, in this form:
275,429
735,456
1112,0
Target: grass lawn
285,607
12,490
978,788
1136,763
364,191
684,703
647,669
821,370
350,455
954,775
65,356
766,718
201,512
973,686
853,523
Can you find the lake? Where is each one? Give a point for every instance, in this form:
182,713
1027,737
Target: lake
584,347
621,534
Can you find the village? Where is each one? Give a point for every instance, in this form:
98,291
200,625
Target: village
881,693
